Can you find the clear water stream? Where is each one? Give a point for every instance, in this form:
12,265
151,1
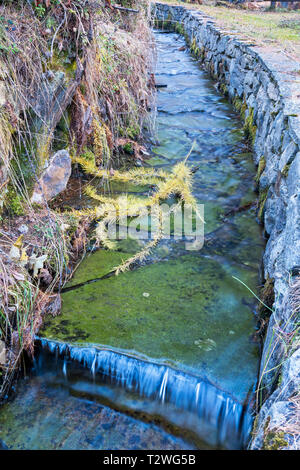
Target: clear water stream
165,351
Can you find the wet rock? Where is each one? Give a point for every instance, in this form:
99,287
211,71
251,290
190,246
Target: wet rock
54,178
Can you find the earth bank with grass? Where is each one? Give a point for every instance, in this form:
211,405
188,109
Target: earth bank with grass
74,83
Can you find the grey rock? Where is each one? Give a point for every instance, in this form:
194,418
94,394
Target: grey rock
288,155
278,126
236,77
54,179
23,229
292,233
291,376
293,178
272,91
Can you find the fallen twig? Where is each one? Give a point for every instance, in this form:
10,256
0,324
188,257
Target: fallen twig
131,10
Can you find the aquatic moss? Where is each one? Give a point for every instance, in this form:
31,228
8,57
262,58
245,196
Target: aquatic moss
88,156
224,89
179,29
237,103
128,148
164,24
241,106
43,148
60,62
255,426
101,148
169,310
195,49
132,131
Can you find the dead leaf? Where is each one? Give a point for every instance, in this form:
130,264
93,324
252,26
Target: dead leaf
19,242
18,276
36,263
23,258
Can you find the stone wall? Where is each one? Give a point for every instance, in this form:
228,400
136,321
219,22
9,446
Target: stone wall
264,86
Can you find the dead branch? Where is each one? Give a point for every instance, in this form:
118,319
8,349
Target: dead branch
131,10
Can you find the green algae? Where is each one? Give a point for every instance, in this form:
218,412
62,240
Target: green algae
166,311
99,264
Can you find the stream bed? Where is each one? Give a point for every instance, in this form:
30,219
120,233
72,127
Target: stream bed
163,356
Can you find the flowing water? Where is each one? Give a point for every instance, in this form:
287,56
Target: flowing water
165,351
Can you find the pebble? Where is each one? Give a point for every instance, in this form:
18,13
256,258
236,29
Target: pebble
23,229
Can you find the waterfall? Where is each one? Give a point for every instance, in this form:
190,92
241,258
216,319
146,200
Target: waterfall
210,406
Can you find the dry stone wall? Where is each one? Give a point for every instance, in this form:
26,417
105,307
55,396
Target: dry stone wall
265,87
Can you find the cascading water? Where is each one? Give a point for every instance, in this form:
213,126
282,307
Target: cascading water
160,357
210,407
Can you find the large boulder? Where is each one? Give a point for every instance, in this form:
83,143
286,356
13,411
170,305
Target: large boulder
54,178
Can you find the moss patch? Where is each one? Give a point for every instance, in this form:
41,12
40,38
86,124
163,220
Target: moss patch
169,311
263,195
249,127
260,169
274,440
13,202
285,170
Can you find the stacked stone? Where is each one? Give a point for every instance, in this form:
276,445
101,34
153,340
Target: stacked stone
264,86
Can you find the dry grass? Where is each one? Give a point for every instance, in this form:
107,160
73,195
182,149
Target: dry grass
264,28
286,337
292,423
